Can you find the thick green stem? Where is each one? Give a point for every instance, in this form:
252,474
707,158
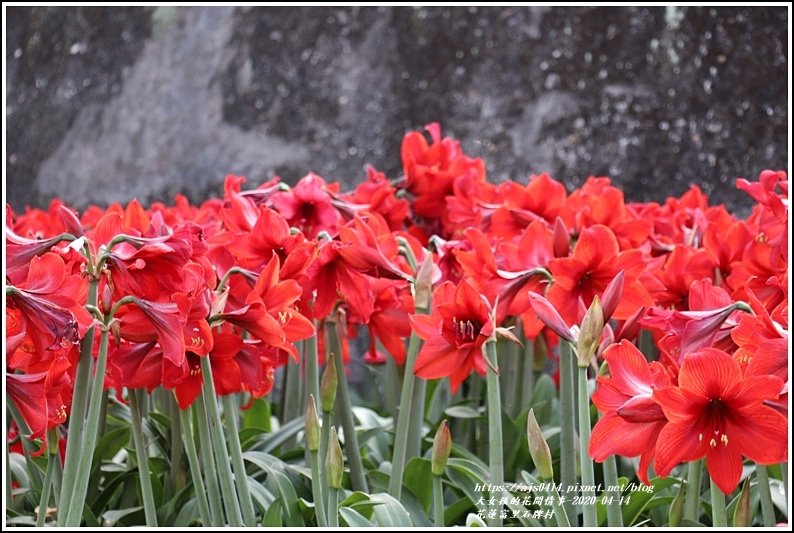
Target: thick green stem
718,516
195,468
53,463
692,500
438,502
74,511
392,386
149,508
614,514
559,510
324,433
589,517
403,419
333,507
292,399
240,477
177,472
416,420
207,457
312,368
344,410
514,364
317,491
767,507
27,448
79,408
567,428
495,448
231,504
527,384
784,475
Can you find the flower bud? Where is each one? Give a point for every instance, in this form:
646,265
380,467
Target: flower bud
106,301
70,221
328,386
612,295
538,447
442,445
312,426
676,508
741,515
549,316
423,285
334,462
590,333
561,240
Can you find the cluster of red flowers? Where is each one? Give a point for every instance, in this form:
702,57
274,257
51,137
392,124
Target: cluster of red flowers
240,279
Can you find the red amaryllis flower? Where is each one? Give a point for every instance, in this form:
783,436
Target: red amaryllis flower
717,412
376,195
270,234
680,269
596,260
543,198
454,334
632,420
144,321
307,206
389,320
336,280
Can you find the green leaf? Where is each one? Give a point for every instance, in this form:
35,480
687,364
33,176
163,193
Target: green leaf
463,410
262,497
109,518
419,480
452,513
257,416
272,516
353,518
188,515
391,513
280,483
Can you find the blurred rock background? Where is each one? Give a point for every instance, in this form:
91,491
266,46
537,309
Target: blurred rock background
106,104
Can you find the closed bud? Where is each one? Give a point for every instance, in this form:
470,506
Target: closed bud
590,333
442,445
328,386
741,514
612,295
423,285
538,447
70,221
334,462
312,426
561,240
676,509
106,301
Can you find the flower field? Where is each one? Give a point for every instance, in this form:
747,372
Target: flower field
433,349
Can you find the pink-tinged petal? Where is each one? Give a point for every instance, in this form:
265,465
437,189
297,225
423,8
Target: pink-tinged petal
676,444
612,435
612,295
634,297
549,315
679,405
761,435
771,358
355,290
754,390
724,463
437,359
710,373
607,396
425,326
296,326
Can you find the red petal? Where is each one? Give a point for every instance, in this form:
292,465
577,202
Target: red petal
612,435
724,463
760,435
629,368
710,373
677,443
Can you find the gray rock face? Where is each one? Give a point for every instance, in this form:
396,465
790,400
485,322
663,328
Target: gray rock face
106,104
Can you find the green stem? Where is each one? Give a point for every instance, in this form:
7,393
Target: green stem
317,491
52,464
567,428
416,420
312,368
614,516
767,507
513,369
231,504
559,510
177,472
527,385
9,486
495,448
692,500
718,515
438,502
784,475
213,489
78,412
74,512
589,517
333,507
403,419
27,448
195,468
149,508
240,476
392,387
344,410
292,400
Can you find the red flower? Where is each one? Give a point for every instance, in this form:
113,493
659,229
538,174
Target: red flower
717,412
307,206
632,420
376,195
454,334
389,320
543,198
680,269
335,279
596,260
